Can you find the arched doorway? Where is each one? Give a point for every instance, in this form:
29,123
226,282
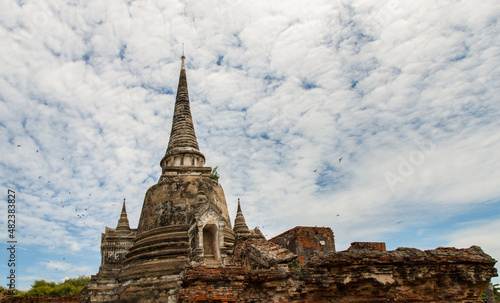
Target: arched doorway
211,244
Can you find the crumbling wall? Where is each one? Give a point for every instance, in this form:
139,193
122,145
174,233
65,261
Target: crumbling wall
380,246
253,252
362,275
262,271
305,241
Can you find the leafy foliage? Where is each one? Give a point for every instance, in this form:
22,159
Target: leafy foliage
16,292
68,287
214,175
496,292
295,267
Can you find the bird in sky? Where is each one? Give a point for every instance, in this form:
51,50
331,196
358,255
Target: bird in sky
340,159
315,170
19,146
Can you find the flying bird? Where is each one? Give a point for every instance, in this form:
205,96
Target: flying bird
37,150
315,170
19,146
340,159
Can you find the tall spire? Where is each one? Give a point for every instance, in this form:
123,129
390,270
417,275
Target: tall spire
123,225
183,147
240,226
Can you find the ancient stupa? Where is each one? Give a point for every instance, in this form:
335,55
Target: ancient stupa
184,250
184,217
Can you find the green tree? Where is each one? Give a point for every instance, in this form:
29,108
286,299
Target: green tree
42,288
68,287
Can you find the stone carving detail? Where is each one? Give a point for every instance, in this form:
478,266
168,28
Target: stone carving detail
114,258
170,214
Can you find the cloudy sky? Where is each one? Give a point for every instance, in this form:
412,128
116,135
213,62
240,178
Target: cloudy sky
405,93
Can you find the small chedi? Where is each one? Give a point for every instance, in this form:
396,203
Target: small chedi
185,250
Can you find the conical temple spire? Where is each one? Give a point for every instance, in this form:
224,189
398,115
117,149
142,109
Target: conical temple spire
240,226
183,147
123,225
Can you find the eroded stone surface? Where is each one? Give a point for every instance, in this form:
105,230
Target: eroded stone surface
305,241
403,275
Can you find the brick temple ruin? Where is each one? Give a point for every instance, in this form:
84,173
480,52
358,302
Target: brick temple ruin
185,250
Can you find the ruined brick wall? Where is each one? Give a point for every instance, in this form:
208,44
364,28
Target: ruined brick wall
254,252
404,275
263,271
380,246
305,241
234,284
